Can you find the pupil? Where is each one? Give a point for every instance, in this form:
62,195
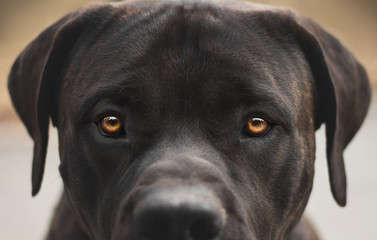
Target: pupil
113,121
257,121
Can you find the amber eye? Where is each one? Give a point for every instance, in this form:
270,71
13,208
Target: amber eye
257,127
110,126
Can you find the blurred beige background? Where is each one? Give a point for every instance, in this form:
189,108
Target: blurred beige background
354,22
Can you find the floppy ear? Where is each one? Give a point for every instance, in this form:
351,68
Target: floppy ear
343,93
33,82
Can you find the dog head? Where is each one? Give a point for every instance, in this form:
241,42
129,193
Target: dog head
189,119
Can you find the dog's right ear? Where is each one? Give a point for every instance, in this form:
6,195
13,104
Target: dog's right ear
34,78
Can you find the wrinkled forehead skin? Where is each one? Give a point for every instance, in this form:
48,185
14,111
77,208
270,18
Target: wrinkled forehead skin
171,54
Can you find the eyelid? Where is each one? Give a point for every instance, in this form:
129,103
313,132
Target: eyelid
106,109
271,115
260,114
108,114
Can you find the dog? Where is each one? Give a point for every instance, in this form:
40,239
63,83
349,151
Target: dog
187,119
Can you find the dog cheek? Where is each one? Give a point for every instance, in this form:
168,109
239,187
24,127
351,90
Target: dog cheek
81,188
292,183
247,180
279,179
79,174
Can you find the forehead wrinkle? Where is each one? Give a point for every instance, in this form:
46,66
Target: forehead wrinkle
117,93
266,92
269,99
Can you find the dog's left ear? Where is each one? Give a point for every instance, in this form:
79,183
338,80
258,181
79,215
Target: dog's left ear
343,92
34,77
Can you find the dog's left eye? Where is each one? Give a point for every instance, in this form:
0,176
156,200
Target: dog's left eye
110,126
257,127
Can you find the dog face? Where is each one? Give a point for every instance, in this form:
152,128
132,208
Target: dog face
184,108
189,121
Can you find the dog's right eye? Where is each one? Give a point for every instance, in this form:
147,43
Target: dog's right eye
257,127
110,126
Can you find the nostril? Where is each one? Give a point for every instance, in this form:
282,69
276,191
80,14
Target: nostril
152,223
205,227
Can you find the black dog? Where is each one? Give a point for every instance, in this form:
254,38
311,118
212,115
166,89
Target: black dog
187,120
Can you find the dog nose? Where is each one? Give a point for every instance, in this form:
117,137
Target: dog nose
190,213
